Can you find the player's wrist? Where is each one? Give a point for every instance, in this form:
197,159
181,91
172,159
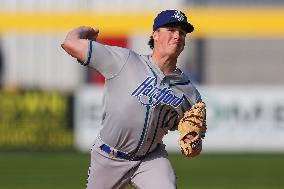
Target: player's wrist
88,55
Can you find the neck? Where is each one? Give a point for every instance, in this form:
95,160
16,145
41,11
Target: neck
166,64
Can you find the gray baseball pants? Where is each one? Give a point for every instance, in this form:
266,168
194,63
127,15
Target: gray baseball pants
152,172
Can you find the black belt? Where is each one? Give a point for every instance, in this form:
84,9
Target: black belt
107,149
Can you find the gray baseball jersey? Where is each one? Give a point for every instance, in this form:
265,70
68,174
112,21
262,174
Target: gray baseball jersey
141,104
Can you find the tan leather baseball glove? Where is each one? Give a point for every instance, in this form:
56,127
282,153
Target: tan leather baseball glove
192,128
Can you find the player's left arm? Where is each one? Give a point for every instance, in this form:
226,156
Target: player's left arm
192,128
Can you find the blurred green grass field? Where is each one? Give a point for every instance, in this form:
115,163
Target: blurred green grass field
62,170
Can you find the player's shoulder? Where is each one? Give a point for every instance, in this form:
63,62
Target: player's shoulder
188,81
135,53
181,79
110,47
138,57
189,87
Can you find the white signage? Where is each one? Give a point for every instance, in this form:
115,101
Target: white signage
88,109
239,119
245,119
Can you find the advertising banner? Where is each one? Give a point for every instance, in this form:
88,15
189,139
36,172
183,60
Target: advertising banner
34,120
243,119
88,109
239,119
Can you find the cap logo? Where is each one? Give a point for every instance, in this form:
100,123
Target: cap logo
178,15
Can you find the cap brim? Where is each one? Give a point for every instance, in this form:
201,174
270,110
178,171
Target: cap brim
187,26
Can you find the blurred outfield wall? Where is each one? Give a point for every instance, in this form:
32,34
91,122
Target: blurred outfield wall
233,48
238,121
244,40
35,120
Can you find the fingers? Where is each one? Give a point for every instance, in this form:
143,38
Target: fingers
93,34
85,32
196,152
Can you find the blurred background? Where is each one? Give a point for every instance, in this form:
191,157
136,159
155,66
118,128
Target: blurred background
50,106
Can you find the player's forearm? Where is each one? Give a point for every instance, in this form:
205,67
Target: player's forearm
76,41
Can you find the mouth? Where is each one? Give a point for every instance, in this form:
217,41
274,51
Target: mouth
176,43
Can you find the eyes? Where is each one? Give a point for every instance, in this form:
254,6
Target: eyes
179,30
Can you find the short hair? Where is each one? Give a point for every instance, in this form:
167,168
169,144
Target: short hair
151,42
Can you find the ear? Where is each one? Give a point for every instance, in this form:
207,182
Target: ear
155,35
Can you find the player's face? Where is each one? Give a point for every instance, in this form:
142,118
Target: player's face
170,40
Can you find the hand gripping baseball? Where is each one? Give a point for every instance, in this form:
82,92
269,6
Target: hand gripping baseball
191,129
76,42
89,33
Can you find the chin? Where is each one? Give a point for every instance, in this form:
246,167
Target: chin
177,50
176,53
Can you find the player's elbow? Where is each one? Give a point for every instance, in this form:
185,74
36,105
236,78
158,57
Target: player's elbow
68,46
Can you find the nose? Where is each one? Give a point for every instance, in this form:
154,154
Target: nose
178,34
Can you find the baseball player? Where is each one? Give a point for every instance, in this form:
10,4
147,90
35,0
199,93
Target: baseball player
145,97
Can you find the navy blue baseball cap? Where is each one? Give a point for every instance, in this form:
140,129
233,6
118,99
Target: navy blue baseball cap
174,17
